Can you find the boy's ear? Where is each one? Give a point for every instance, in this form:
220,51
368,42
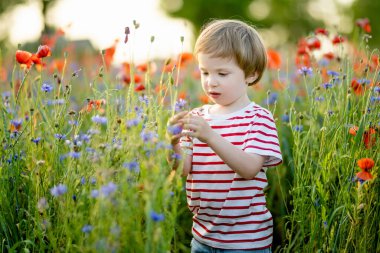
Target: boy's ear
251,78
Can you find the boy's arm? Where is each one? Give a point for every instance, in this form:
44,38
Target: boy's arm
247,165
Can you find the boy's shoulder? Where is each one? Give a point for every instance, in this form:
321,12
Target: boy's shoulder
200,111
255,109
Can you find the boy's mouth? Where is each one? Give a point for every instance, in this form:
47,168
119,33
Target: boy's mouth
214,94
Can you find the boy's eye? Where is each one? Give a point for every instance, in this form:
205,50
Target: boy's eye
204,73
223,74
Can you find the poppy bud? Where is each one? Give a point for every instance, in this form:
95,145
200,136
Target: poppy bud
43,51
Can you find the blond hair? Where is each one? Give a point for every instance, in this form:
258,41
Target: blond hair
233,38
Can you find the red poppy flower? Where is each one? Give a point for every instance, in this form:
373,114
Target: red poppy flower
338,39
204,99
313,43
365,164
274,59
43,51
353,130
24,57
357,87
364,24
321,31
140,87
109,53
330,56
185,58
369,138
136,79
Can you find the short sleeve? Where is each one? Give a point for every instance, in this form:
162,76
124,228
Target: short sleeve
262,139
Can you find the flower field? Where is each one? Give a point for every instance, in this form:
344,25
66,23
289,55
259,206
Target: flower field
83,161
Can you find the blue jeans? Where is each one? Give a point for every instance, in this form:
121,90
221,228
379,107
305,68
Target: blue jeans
197,247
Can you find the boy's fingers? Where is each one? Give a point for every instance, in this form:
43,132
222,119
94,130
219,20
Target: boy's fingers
177,117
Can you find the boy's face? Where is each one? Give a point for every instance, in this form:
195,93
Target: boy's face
224,82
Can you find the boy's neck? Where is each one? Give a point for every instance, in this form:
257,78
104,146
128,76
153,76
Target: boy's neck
217,109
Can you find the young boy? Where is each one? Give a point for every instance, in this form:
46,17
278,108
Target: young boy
227,146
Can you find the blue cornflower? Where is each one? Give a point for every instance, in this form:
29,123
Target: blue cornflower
144,99
156,216
59,136
94,193
174,130
46,87
132,166
132,122
375,99
87,229
285,118
180,105
176,156
99,119
73,122
327,85
82,180
60,101
36,140
93,180
320,98
376,89
298,128
6,94
332,73
108,189
74,154
364,81
272,98
58,190
306,71
325,225
147,136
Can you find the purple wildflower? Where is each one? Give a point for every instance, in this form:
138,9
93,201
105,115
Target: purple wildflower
132,122
332,73
94,193
285,118
132,166
327,85
147,136
180,105
108,189
46,87
156,216
87,229
298,128
306,71
58,190
174,130
59,136
36,140
99,119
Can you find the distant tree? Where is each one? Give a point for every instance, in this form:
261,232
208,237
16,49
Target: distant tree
291,14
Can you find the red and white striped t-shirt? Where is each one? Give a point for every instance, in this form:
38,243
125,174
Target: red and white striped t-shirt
229,211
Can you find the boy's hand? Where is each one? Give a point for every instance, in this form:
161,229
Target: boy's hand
198,128
174,127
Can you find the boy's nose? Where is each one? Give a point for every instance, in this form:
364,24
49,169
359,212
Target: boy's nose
212,81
